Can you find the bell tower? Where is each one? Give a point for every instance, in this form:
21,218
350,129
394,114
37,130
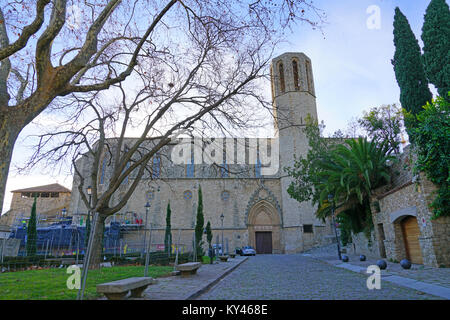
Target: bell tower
293,91
294,98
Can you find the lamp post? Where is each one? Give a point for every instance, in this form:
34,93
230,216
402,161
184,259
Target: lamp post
147,256
221,218
88,219
147,208
330,200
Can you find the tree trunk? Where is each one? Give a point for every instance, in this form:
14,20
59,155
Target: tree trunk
97,244
10,128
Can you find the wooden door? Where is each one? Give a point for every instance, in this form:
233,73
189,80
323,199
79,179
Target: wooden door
411,235
263,242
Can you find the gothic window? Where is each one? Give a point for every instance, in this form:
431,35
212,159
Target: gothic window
308,76
258,168
102,175
125,181
190,167
295,71
281,70
224,169
156,167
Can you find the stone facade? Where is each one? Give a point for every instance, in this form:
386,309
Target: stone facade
250,203
407,196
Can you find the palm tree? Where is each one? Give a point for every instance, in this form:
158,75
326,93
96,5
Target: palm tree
350,173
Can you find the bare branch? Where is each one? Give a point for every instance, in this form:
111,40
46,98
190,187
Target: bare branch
9,49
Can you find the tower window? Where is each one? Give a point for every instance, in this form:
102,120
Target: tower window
295,71
308,76
281,70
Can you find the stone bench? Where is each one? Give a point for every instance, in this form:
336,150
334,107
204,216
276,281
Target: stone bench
117,290
189,268
223,258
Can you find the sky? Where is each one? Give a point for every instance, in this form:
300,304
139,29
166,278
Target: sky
351,65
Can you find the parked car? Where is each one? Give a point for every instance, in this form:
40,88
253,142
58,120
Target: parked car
248,251
238,251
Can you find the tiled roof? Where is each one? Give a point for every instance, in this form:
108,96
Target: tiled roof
55,187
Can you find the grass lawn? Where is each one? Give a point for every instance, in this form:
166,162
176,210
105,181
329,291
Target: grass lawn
50,284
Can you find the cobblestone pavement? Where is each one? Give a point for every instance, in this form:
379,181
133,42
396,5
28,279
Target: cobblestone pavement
297,277
182,288
437,276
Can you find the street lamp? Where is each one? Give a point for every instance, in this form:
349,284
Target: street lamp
88,219
330,200
147,256
147,208
221,218
89,192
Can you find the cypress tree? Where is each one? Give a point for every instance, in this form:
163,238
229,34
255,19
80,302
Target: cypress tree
199,224
436,49
168,235
414,91
209,237
32,232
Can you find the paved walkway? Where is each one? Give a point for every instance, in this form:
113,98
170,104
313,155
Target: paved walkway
180,288
298,277
418,273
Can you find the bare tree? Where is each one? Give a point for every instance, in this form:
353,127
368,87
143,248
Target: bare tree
53,48
207,72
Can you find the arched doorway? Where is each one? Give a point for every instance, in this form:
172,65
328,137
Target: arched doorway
411,233
264,228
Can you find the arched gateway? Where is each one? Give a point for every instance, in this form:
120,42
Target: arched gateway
264,228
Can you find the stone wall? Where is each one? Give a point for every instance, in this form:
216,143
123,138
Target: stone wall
361,245
410,196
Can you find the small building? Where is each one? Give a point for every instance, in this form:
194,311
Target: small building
50,203
404,227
